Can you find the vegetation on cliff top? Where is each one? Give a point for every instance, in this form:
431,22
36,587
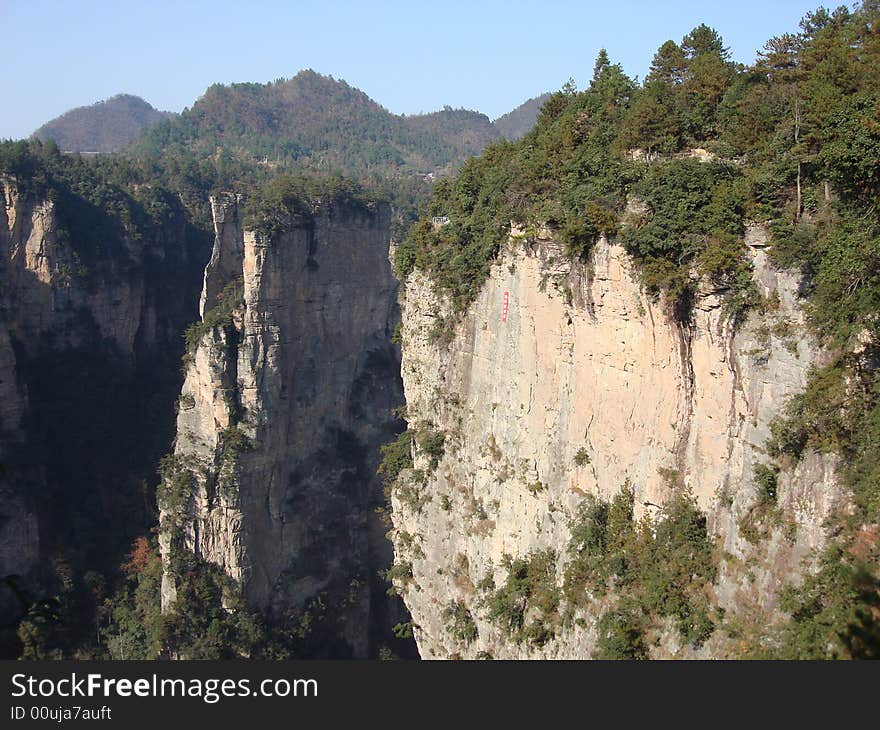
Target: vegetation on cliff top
772,135
287,201
102,201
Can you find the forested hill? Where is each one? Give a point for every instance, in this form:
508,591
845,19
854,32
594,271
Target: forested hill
322,124
519,122
106,126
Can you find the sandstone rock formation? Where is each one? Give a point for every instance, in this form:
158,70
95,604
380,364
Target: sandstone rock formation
564,380
286,400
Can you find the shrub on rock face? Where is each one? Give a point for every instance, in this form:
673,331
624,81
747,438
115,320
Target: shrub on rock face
621,634
460,622
431,443
582,457
526,606
656,569
220,315
396,456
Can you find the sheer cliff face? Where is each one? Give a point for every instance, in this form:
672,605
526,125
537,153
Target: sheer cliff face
84,336
566,380
303,378
131,293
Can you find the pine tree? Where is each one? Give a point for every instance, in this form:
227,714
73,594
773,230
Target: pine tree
668,65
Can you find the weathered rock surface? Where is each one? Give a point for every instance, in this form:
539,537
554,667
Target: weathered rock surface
583,359
304,375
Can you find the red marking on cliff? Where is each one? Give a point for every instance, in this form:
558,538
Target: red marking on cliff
505,306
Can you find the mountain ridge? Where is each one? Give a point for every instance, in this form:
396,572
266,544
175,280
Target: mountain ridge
292,119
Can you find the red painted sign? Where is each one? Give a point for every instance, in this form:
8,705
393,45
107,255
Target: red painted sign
505,306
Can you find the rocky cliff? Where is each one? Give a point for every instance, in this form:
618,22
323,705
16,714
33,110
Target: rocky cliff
87,330
288,393
27,245
564,380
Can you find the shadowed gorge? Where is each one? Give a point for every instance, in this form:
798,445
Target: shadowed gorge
93,303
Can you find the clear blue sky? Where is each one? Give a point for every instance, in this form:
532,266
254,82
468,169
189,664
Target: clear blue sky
409,56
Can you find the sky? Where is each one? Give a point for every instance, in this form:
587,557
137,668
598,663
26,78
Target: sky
410,57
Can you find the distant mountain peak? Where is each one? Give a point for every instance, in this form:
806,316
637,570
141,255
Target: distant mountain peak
105,126
518,122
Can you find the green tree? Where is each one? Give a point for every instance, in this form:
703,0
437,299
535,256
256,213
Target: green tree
708,74
651,123
601,64
668,65
704,41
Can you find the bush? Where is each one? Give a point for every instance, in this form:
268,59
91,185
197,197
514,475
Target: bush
209,619
661,568
399,575
834,611
228,300
582,457
432,444
529,592
600,533
177,484
460,622
679,561
536,488
621,634
723,262
136,627
233,441
766,477
396,456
